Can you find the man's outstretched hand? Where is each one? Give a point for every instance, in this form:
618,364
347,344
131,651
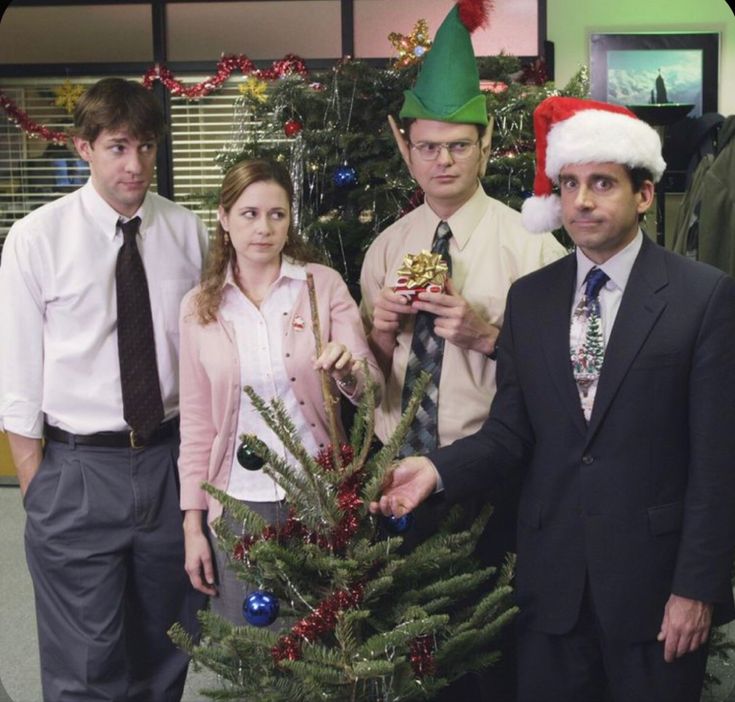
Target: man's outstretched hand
406,487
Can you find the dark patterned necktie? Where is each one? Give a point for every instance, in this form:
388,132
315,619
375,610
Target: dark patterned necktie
587,358
141,391
427,350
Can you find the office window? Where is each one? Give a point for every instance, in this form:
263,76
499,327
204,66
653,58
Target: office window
33,171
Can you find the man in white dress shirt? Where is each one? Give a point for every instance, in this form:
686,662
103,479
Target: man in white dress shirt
103,536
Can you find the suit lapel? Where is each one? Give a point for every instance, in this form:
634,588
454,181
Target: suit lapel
555,310
640,307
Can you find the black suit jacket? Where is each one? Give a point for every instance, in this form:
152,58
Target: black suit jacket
642,500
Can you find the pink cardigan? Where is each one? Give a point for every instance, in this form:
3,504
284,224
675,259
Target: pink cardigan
210,381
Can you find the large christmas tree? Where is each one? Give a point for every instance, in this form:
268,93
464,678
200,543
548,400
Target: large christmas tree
331,129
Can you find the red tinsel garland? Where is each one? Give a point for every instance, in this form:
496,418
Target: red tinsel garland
226,66
321,621
535,73
24,122
422,656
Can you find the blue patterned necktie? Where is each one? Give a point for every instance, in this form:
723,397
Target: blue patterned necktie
426,354
141,390
588,356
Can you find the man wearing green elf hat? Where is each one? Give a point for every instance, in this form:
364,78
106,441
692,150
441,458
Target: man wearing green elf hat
444,139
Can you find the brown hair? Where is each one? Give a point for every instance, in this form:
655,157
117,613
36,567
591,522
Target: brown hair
112,103
638,176
221,252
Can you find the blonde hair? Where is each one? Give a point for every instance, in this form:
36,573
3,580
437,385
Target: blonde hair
221,252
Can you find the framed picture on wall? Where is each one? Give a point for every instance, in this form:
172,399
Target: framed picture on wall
640,69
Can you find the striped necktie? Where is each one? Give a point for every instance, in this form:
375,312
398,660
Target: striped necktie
426,354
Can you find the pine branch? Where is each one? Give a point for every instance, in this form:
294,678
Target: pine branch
402,634
383,460
297,484
488,608
457,586
312,481
363,670
252,522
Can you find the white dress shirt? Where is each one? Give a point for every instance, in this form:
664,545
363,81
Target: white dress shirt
259,338
58,309
618,269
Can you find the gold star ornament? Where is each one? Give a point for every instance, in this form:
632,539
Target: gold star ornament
412,47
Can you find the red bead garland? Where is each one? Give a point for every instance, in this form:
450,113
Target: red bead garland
226,66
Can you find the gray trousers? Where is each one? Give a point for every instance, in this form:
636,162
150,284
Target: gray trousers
231,591
104,545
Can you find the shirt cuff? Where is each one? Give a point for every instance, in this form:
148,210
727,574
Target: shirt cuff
439,482
29,424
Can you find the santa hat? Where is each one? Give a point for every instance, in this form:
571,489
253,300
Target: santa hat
570,131
448,86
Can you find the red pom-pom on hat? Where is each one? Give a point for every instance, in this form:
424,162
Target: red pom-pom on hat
473,13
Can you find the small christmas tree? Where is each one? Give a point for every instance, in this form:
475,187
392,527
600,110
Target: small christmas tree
359,621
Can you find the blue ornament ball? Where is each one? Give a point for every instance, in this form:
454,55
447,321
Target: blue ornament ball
247,458
400,524
345,176
260,608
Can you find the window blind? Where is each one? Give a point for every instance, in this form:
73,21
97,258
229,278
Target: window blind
33,171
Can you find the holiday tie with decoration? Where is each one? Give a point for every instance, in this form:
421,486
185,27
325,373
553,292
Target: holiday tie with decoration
426,354
587,357
141,391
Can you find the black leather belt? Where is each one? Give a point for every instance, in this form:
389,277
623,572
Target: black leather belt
113,439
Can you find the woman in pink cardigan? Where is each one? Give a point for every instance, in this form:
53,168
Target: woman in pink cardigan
249,323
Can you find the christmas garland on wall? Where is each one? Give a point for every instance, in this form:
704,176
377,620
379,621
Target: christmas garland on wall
226,66
33,129
68,94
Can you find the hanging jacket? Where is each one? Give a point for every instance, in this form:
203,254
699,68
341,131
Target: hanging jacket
704,225
717,209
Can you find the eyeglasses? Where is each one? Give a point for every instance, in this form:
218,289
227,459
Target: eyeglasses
458,150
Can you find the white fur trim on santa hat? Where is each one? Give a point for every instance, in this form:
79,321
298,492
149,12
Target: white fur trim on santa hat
599,136
541,214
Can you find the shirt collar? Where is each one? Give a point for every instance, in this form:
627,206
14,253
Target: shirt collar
106,216
617,267
465,220
289,269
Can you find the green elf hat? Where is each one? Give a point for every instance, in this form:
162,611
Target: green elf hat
448,86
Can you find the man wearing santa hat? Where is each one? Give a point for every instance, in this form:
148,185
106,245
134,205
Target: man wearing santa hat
616,373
